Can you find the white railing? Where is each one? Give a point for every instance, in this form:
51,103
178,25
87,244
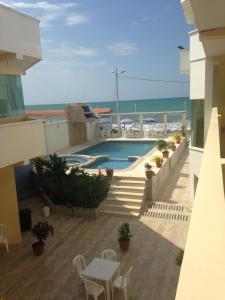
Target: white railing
162,124
202,272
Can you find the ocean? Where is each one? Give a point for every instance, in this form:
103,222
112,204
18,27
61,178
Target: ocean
144,105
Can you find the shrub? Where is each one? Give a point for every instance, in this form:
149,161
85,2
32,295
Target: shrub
74,187
162,145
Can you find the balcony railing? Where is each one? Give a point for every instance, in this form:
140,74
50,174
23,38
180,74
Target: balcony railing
143,124
202,272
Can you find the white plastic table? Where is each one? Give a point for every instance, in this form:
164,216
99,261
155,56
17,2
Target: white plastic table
101,269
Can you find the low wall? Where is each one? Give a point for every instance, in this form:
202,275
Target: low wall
154,185
89,213
57,136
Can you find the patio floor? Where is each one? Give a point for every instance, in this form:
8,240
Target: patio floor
153,250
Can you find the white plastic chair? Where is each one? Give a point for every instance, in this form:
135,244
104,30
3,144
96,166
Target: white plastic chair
3,237
108,254
121,283
93,289
80,264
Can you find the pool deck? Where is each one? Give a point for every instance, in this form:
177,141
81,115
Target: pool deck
137,169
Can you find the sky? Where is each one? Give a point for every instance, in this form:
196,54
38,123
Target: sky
84,40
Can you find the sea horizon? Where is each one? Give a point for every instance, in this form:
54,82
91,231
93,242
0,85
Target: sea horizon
134,105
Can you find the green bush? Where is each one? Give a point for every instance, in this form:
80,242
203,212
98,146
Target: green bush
76,188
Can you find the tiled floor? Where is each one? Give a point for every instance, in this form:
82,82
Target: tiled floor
154,246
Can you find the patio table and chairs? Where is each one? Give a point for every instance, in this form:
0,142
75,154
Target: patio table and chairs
104,270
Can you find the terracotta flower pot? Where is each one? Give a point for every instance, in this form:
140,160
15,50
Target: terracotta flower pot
109,172
149,174
159,165
165,154
124,245
38,248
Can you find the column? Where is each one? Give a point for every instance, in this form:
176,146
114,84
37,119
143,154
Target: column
165,124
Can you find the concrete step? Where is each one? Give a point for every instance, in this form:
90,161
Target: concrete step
120,207
120,213
128,189
112,200
140,179
128,183
125,194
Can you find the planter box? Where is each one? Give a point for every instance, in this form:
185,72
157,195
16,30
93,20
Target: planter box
155,185
89,213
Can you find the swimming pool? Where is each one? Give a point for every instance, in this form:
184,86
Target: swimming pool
74,159
111,163
119,149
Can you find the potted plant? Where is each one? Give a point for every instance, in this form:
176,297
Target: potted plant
38,165
177,138
148,171
163,146
124,236
172,146
42,230
109,172
158,161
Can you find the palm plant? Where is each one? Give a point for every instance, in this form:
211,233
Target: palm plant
55,169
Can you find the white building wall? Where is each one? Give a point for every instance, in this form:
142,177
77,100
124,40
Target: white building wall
57,136
195,164
20,141
197,79
19,33
91,131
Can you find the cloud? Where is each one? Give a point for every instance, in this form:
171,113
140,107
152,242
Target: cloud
41,5
143,20
76,20
65,51
123,48
49,12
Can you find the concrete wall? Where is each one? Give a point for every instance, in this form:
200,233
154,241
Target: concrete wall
9,205
57,136
155,185
77,133
20,141
22,35
202,272
195,156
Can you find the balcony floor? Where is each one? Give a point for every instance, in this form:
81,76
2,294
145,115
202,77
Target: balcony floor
153,250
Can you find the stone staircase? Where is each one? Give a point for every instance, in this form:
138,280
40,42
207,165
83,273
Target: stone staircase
168,211
124,197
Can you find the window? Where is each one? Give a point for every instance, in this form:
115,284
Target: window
11,96
197,123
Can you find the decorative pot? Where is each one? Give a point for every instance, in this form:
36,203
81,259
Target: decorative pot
178,142
165,154
173,148
38,248
159,165
109,172
46,211
149,174
124,245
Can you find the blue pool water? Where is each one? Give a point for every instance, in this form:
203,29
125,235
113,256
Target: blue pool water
74,159
106,163
119,149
